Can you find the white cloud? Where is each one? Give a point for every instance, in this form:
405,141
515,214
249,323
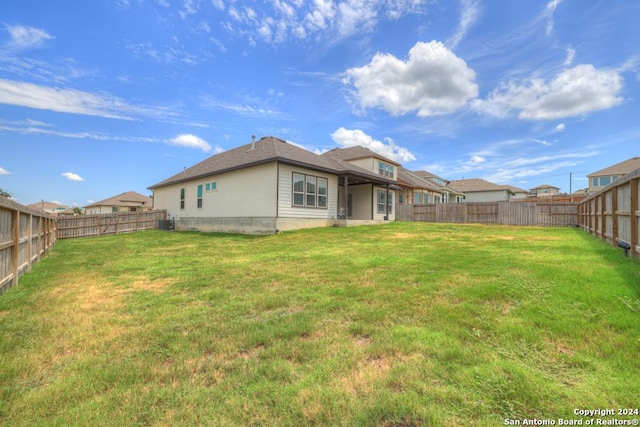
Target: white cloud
468,17
318,20
576,91
72,101
218,4
3,171
432,81
548,14
389,149
23,37
188,140
72,176
571,53
559,128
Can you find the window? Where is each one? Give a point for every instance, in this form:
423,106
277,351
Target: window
211,186
417,198
382,195
385,169
594,181
605,180
401,198
310,191
199,196
115,209
323,192
182,198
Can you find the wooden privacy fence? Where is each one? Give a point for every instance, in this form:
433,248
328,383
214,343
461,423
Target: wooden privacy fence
25,236
556,214
115,223
612,214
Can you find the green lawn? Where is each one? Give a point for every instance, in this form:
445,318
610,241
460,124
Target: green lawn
395,325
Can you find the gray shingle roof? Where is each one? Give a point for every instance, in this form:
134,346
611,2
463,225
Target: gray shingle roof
472,185
266,150
621,168
409,179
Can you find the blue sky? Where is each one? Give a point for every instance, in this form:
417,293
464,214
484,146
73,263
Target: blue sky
107,96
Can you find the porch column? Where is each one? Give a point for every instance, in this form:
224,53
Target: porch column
386,204
346,198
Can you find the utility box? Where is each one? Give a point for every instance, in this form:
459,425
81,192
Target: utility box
166,224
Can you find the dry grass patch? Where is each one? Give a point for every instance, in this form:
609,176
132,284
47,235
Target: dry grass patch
362,379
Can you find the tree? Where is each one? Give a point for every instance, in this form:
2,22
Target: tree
4,193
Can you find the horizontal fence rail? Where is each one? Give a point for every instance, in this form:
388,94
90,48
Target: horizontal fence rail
612,214
74,227
25,236
547,214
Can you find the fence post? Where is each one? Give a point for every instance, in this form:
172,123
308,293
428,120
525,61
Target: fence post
614,216
633,216
15,252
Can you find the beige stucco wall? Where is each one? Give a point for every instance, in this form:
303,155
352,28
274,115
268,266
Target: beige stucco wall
249,192
486,196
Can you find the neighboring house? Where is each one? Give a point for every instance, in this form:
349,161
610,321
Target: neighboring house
518,193
448,194
48,207
125,202
416,190
545,190
269,185
480,190
600,179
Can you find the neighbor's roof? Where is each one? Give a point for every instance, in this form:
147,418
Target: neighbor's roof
545,186
473,185
355,153
409,179
442,187
266,150
621,168
47,206
516,190
128,199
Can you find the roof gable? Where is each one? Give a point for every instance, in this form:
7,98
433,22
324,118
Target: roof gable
357,152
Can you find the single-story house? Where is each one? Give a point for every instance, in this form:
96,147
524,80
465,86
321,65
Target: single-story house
480,190
600,179
125,202
269,185
518,193
448,194
545,190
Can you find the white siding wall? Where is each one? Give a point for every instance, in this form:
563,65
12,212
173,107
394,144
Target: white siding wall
285,202
249,192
